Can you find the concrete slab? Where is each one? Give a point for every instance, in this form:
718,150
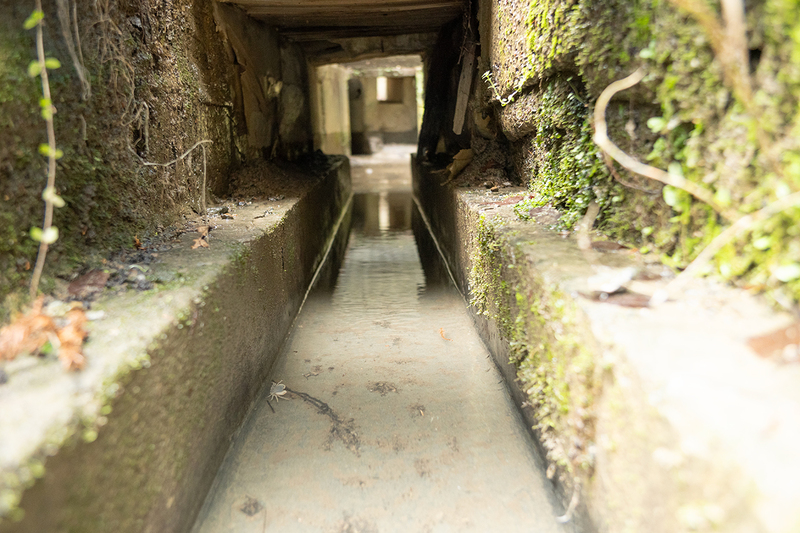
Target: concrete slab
132,442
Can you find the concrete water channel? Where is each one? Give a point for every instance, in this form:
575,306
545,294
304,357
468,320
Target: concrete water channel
394,416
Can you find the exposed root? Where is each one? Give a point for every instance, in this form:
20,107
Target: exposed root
202,144
605,144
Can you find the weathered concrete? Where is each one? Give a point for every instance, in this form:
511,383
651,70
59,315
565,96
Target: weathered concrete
331,112
133,442
664,415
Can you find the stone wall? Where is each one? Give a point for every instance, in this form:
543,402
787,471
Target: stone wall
161,76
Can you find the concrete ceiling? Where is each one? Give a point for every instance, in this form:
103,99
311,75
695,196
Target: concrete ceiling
330,19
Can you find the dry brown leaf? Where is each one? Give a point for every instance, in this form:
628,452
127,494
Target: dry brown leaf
200,242
775,342
71,338
27,334
460,162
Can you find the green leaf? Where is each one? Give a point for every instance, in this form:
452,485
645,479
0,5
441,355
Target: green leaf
48,236
723,197
675,169
47,113
762,243
671,196
45,102
49,194
787,273
52,63
45,150
33,20
34,69
656,124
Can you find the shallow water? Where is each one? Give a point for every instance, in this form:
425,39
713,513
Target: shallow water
394,417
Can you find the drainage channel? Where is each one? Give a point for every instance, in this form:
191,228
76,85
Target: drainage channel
388,413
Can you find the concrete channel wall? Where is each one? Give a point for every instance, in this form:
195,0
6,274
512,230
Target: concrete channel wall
655,419
132,443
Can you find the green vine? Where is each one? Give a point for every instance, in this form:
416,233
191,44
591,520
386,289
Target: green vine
48,233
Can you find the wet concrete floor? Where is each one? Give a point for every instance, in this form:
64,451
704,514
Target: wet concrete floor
393,416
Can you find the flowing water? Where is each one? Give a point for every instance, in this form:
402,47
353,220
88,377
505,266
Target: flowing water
393,416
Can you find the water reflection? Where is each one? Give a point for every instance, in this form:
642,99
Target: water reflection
390,260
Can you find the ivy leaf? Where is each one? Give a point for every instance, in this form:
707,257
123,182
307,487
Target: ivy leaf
675,169
786,273
49,194
34,69
48,236
656,124
762,243
33,20
670,194
45,150
723,197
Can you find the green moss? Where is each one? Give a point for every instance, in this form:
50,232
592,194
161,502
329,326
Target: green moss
574,49
547,348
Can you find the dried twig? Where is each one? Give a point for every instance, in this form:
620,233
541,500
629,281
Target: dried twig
605,144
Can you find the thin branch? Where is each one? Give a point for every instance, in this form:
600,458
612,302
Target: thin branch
738,228
605,144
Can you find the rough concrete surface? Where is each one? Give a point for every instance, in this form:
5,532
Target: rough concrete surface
690,430
133,442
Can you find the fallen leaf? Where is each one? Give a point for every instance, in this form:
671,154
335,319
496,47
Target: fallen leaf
460,162
775,341
137,243
27,334
625,298
200,242
71,338
441,332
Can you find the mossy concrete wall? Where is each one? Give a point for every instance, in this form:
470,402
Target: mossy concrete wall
642,415
160,77
731,131
171,375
